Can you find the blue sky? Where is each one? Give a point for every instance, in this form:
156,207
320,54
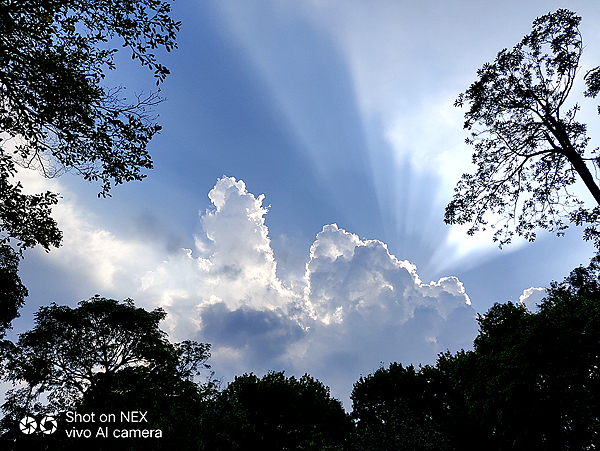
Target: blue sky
294,218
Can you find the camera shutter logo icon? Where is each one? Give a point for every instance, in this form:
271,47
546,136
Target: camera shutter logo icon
28,425
48,425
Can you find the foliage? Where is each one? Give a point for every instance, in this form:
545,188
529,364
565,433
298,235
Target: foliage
530,383
56,115
532,380
529,150
12,297
398,408
25,217
275,412
105,356
12,291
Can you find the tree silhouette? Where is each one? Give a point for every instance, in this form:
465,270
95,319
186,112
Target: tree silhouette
12,291
274,413
529,148
532,380
105,357
398,408
55,55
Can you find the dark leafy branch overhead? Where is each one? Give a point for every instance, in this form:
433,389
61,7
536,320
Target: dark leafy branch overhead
529,149
55,113
25,217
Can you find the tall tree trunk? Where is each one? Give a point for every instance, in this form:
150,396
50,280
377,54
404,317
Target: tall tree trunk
557,129
585,174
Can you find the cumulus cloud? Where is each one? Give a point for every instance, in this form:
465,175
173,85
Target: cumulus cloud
234,265
346,274
531,297
354,306
359,305
367,307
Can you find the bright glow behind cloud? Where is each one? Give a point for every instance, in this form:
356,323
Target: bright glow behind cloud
401,116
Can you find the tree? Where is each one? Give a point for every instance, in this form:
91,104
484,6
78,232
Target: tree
12,291
529,149
532,380
274,413
398,408
104,357
12,297
55,113
54,55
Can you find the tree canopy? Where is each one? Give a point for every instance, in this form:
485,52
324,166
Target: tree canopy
12,291
529,147
55,113
103,356
398,408
531,382
275,412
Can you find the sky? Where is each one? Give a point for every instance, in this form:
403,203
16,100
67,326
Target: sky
294,218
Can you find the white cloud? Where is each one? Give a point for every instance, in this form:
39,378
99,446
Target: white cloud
346,274
531,297
104,261
235,264
367,306
359,304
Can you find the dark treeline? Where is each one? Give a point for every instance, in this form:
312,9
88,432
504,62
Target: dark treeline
531,382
